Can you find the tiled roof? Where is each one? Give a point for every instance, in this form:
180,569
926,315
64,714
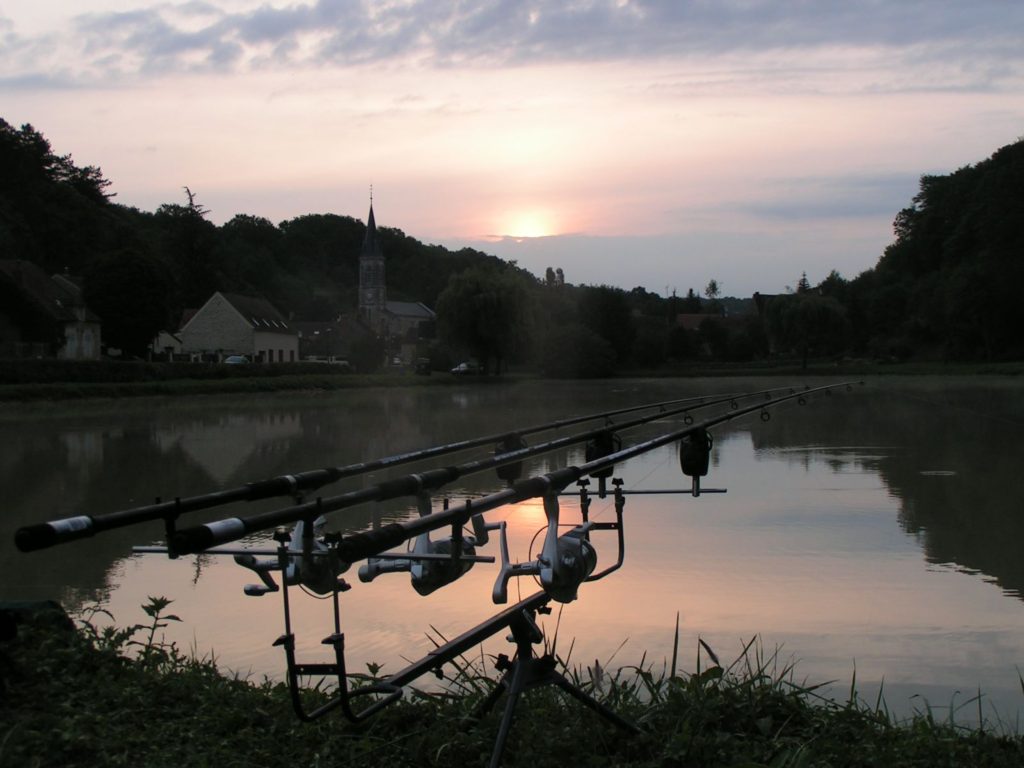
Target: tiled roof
413,309
57,297
259,313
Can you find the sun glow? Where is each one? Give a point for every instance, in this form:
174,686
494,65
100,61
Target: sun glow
527,224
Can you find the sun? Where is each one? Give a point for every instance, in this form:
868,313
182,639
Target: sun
528,223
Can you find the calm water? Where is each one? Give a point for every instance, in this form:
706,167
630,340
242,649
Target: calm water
877,530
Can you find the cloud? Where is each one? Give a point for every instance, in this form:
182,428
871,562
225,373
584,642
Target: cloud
206,36
834,198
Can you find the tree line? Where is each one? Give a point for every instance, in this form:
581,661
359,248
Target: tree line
944,289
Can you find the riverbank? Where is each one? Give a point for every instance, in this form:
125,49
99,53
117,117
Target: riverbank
81,696
26,381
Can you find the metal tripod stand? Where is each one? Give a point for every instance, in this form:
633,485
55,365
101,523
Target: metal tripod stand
526,671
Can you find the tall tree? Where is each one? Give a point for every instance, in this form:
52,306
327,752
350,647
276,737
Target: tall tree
486,311
188,242
808,324
128,289
606,311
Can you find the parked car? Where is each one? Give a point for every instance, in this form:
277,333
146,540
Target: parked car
236,360
466,369
342,364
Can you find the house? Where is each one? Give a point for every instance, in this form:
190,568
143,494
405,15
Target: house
166,344
410,320
232,324
43,316
330,340
407,324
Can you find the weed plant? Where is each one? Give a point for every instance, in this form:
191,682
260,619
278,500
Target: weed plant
86,696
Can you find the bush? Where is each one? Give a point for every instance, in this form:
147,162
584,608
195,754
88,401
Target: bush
574,351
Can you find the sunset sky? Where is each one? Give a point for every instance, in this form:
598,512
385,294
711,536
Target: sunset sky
630,142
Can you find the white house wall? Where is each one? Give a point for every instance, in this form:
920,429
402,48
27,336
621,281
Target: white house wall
217,327
276,347
81,342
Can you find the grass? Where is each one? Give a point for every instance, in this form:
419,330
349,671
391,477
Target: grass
81,696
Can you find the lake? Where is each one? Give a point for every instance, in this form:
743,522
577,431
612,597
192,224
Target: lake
876,532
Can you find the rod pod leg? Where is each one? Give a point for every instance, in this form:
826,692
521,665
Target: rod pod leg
528,670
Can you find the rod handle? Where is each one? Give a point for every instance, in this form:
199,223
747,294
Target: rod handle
43,535
199,538
360,546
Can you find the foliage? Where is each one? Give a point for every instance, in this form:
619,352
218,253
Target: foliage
691,303
946,288
52,211
486,311
367,353
808,323
575,351
124,697
129,290
948,284
606,311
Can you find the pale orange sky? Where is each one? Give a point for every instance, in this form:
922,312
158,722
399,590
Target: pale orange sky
652,143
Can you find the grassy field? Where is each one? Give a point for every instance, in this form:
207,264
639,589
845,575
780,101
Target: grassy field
79,696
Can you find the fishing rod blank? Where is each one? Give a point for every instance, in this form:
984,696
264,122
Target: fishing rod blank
366,544
43,535
201,537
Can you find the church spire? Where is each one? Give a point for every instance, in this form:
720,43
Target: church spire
371,246
372,282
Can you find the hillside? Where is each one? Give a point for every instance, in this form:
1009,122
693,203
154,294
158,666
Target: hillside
945,289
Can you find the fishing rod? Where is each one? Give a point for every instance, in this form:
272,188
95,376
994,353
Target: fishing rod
201,537
564,563
312,561
359,546
43,535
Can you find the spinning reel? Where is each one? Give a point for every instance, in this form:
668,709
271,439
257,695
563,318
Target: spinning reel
305,559
433,564
566,561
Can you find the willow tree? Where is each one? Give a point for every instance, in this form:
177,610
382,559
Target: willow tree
486,311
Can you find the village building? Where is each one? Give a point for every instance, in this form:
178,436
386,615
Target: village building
402,324
373,292
43,316
231,324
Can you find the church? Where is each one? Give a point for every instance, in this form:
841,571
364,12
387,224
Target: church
402,323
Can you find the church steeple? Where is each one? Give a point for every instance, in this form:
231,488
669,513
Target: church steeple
371,247
372,285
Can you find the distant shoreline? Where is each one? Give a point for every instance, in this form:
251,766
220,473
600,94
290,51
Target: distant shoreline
160,381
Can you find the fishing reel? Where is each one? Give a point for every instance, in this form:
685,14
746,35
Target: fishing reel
433,564
303,558
565,561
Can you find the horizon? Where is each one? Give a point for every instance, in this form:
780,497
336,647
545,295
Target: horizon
630,143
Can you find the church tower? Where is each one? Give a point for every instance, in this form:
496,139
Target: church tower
372,288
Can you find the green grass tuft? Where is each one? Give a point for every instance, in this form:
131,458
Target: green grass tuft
123,697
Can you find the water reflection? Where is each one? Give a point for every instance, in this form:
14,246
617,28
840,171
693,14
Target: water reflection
948,451
865,528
